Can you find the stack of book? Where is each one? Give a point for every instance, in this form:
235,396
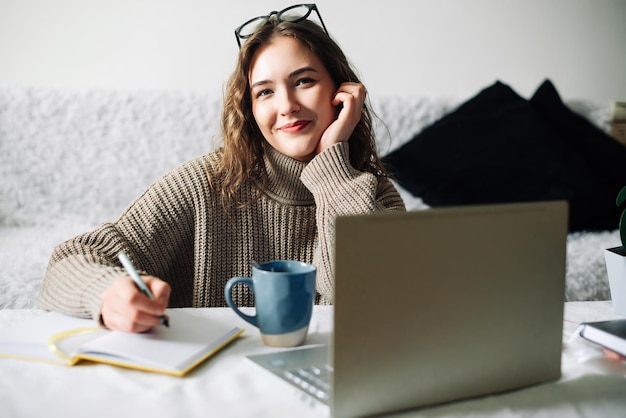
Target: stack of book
608,334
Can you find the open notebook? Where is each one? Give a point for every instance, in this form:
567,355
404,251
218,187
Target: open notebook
435,306
62,339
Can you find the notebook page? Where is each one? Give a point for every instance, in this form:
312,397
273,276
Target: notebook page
189,338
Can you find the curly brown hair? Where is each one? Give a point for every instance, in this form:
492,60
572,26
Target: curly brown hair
243,148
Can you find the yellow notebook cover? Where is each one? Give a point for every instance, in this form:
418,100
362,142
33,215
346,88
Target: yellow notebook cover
61,339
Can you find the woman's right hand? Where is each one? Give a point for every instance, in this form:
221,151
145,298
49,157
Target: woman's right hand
126,308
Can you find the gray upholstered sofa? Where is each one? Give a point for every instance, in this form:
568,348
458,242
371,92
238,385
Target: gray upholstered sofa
70,159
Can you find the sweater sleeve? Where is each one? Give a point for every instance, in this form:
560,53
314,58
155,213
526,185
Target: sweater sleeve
339,189
155,231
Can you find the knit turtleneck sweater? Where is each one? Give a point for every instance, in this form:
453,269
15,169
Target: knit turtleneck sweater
179,231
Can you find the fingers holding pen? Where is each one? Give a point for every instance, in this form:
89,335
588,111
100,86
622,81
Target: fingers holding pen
126,308
160,290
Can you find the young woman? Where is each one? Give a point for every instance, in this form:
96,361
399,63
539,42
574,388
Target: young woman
298,151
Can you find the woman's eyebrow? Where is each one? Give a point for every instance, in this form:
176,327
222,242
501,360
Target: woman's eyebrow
302,70
259,83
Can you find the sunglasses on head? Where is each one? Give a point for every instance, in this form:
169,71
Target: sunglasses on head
294,14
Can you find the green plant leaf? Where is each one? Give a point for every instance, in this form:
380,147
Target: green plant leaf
621,197
622,228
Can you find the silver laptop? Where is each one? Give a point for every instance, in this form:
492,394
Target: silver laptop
436,306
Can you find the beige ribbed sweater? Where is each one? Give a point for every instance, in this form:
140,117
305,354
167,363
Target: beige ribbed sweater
178,231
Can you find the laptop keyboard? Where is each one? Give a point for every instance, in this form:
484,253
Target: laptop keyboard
315,380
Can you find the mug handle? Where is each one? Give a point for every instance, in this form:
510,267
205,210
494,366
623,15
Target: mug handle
229,298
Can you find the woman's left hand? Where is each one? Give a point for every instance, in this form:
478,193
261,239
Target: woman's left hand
351,96
613,355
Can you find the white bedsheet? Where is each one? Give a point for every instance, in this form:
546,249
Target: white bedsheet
228,385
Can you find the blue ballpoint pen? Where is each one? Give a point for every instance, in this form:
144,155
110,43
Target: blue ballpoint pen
130,269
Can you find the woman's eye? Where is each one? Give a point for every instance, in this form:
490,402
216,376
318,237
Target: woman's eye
263,92
303,81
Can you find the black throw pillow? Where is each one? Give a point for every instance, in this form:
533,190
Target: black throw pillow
601,158
497,148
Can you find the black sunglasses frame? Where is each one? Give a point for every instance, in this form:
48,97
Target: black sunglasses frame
278,16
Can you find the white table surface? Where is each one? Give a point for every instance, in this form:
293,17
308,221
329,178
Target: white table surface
229,385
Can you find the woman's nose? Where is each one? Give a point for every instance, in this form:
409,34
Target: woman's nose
288,103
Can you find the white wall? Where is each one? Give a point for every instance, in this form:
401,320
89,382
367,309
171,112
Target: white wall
423,47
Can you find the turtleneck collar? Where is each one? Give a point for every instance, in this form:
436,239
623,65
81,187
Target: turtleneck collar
283,175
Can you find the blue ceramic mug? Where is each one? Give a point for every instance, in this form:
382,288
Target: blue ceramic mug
284,294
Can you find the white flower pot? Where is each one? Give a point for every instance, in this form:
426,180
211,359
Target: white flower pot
615,259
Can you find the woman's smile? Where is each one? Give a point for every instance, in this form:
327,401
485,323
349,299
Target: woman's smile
294,127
